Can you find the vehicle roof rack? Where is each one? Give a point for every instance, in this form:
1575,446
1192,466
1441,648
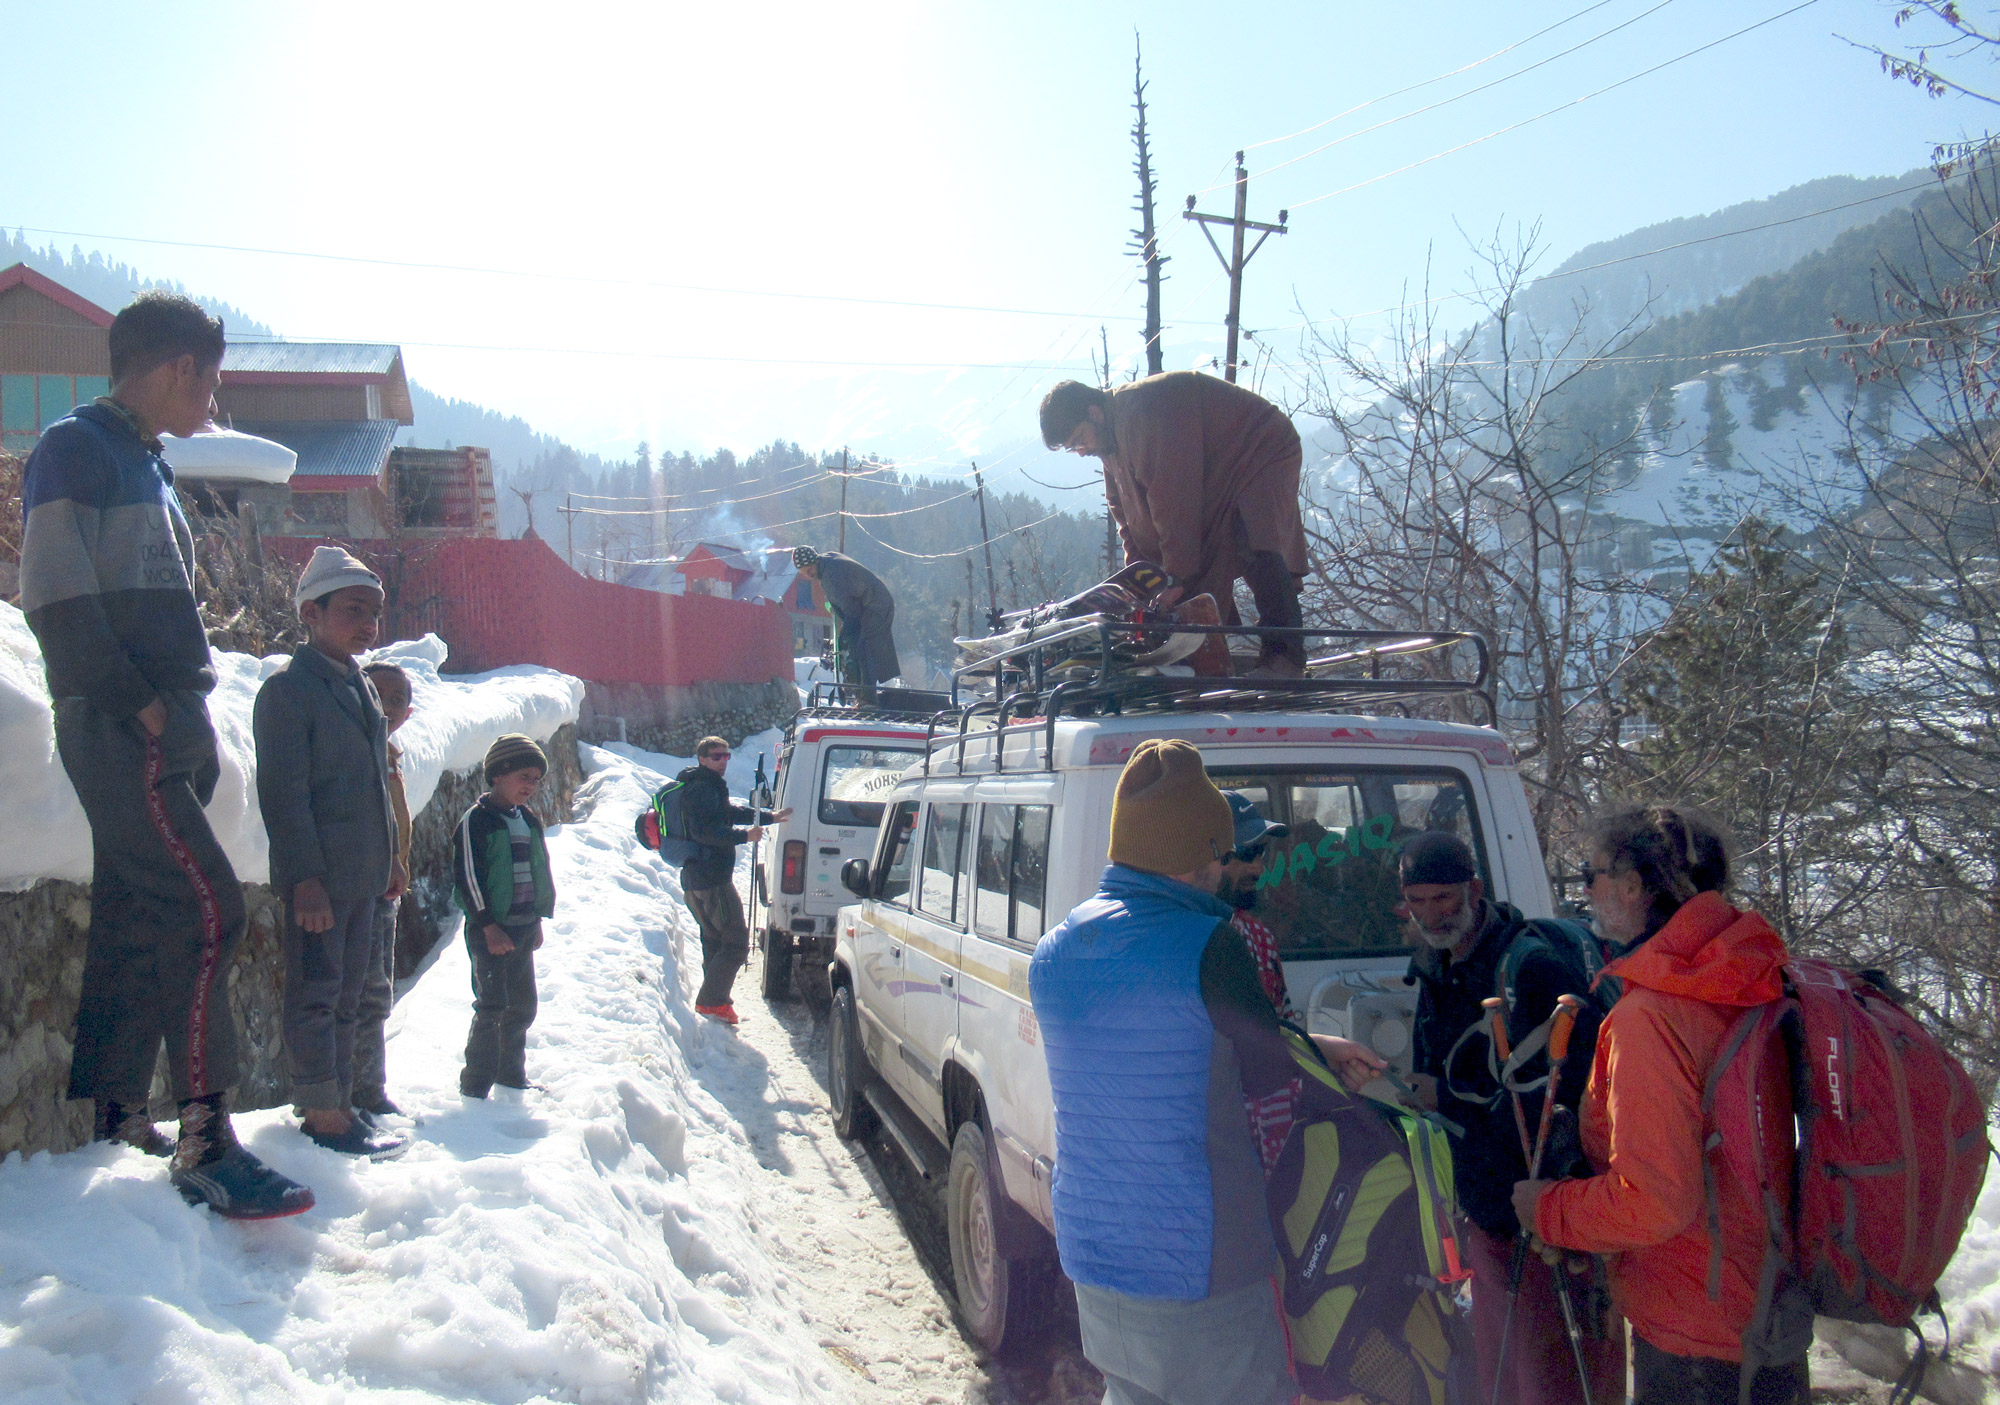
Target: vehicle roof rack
841,702
1029,685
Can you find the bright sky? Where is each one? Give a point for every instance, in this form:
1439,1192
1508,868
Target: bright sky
673,178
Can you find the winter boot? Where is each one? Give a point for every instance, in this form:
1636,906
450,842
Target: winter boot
211,1168
360,1139
134,1129
724,1013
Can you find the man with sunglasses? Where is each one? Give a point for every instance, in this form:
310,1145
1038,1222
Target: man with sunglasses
1470,948
708,880
1242,880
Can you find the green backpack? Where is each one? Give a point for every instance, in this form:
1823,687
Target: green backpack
1362,1205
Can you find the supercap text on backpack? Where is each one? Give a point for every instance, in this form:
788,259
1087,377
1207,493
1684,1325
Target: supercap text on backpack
1865,1204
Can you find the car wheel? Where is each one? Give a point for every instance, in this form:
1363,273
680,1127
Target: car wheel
847,1071
777,965
813,977
1003,1302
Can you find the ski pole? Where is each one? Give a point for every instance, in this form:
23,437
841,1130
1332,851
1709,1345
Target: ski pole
1562,1274
1496,1014
1559,1030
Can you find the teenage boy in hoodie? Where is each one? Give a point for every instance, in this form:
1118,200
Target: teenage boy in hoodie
323,788
107,582
1692,964
708,880
378,992
500,869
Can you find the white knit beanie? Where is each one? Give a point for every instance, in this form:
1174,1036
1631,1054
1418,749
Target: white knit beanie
331,568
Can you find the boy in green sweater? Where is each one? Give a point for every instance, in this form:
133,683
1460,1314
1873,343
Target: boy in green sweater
500,868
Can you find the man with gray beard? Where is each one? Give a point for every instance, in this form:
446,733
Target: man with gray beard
1468,950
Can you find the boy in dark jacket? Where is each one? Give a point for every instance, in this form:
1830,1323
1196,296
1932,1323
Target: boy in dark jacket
323,788
107,583
500,868
708,880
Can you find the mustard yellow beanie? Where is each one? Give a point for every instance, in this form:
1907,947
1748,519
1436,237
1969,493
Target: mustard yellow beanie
1167,816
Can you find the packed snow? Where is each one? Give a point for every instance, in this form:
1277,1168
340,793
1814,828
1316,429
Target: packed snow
43,833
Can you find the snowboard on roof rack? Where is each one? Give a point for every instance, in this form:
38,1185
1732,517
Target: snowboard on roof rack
1130,601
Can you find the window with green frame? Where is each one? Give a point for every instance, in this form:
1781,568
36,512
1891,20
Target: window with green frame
29,404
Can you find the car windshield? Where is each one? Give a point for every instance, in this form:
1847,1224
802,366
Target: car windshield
1330,887
858,779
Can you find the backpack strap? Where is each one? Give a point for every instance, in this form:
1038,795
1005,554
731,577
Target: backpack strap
1746,1024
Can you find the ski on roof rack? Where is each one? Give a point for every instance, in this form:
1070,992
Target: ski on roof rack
841,702
1030,681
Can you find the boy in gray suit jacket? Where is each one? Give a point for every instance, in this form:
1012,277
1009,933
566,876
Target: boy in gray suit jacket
323,787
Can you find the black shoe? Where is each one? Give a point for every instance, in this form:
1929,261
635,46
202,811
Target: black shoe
133,1129
237,1186
361,1140
378,1106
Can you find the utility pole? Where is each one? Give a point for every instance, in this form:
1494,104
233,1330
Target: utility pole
843,502
1233,263
569,529
985,540
1146,238
971,595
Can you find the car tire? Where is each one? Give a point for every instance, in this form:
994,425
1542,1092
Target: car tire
1004,1303
777,965
847,1070
813,977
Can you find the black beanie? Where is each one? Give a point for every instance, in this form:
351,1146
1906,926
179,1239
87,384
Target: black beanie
513,752
1437,857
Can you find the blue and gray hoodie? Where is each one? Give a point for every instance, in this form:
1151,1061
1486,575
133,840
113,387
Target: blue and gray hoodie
107,566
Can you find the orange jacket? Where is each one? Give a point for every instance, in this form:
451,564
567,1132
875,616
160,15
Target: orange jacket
1646,1210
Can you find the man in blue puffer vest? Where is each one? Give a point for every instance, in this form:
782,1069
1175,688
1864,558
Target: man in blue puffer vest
1156,1029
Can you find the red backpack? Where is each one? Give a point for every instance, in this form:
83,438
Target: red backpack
1865,1143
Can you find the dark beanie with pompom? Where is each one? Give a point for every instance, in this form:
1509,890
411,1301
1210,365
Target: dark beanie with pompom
514,752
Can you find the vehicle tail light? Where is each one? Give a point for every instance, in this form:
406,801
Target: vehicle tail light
793,877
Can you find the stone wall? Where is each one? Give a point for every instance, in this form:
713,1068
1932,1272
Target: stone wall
672,719
44,929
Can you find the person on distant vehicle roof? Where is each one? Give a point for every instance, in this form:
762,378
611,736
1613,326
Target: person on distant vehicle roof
864,610
1202,477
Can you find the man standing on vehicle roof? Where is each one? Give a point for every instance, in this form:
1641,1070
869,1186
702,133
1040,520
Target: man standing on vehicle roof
864,610
1469,948
1156,1030
1242,879
1202,477
708,880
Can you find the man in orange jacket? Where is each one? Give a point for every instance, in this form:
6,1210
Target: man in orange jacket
1692,964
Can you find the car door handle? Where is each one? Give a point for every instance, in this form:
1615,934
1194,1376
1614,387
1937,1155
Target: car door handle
945,979
896,953
829,848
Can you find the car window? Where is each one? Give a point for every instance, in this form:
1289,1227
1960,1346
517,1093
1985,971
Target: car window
1031,871
942,837
856,779
894,883
1330,887
991,870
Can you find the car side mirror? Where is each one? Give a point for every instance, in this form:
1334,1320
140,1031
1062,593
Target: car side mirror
854,877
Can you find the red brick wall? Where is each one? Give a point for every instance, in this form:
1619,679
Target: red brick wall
506,602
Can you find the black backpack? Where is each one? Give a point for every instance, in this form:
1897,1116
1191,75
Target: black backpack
662,825
1577,947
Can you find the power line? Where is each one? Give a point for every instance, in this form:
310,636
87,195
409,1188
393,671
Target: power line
1469,92
1451,73
1561,107
967,551
584,278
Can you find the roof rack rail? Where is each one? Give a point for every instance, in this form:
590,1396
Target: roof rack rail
1029,685
842,701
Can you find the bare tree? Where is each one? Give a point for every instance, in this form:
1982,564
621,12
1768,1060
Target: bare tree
1461,499
1146,238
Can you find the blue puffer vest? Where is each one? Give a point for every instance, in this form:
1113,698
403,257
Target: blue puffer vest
1117,993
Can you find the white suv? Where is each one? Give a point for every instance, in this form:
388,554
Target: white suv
978,854
834,771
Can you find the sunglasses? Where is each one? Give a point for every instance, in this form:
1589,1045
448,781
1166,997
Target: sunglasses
718,756
1591,873
1250,853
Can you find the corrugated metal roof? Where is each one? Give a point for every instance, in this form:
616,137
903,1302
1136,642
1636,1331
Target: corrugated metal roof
315,357
331,448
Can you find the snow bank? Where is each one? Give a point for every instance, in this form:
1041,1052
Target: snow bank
604,1242
42,830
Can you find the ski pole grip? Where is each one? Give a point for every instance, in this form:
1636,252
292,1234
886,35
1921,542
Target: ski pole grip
1496,1015
1567,1007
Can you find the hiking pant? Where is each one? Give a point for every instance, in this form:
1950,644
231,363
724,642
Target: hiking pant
725,940
1226,1350
166,911
1540,1368
503,1006
1274,590
1661,1378
371,1016
324,975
